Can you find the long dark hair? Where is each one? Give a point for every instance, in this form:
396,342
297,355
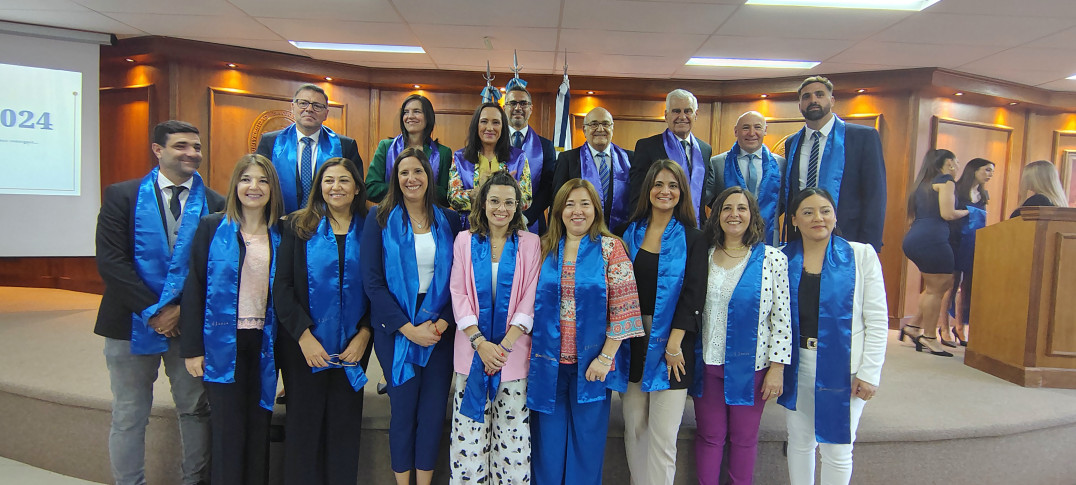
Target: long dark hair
932,165
427,111
478,219
395,195
305,221
474,142
756,229
794,234
683,212
967,181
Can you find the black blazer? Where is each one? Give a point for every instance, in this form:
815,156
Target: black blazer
291,285
125,292
653,148
348,149
861,203
568,168
542,195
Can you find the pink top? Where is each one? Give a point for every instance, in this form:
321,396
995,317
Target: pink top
520,303
254,282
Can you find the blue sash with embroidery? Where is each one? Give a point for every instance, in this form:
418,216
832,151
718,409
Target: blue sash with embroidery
466,168
221,312
696,174
492,320
672,263
833,378
965,252
769,188
337,302
532,148
163,270
591,319
831,167
741,334
401,277
433,153
618,169
286,148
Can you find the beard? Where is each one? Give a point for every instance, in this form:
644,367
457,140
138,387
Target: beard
814,114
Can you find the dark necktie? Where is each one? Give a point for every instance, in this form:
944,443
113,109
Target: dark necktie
812,163
687,155
517,139
603,173
174,205
306,171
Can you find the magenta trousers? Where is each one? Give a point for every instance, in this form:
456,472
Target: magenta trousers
719,422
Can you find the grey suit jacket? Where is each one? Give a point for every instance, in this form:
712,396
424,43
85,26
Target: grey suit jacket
715,174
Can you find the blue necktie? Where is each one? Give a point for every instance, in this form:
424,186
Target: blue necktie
517,139
812,163
306,169
752,175
603,174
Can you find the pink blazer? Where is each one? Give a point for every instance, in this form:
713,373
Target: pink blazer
520,305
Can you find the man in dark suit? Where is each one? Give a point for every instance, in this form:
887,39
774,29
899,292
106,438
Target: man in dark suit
602,163
299,150
749,164
843,158
678,144
144,233
541,154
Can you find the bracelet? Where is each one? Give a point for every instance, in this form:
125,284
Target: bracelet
435,330
607,356
506,349
607,364
474,340
670,354
475,337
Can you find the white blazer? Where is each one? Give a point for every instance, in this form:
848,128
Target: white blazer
870,316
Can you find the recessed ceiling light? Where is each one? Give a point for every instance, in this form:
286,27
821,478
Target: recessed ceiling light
590,92
861,91
760,63
416,86
502,90
910,5
959,94
129,59
1014,103
765,96
232,65
1073,77
327,78
329,46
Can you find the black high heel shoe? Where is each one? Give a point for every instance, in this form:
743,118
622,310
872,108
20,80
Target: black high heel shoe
962,341
919,346
904,333
941,336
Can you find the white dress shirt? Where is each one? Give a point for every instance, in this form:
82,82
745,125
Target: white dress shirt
166,193
805,149
313,154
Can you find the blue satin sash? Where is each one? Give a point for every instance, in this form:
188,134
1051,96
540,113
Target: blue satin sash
591,320
433,153
618,170
163,269
831,167
741,334
672,263
401,277
965,252
286,148
696,175
337,302
466,168
532,148
833,378
492,321
221,312
769,188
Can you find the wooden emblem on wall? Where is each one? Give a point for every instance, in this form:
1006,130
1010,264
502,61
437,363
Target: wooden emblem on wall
267,121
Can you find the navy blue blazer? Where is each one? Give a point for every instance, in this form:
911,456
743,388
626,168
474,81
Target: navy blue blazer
542,194
861,203
568,168
349,149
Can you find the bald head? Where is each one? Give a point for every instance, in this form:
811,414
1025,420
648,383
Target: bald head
750,130
598,128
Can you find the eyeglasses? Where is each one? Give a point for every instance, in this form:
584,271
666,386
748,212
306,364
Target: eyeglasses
602,124
303,104
517,104
509,204
334,358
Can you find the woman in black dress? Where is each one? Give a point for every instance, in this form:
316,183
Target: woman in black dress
1041,179
932,204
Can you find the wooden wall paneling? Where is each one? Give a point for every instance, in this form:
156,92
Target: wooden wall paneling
969,139
126,114
1061,323
1067,170
454,112
66,273
1063,148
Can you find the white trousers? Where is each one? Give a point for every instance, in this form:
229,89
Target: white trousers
497,450
651,422
836,459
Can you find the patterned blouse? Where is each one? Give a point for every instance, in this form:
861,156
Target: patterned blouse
460,199
623,300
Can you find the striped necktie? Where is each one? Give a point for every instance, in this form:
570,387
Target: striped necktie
306,169
603,173
687,155
517,139
812,163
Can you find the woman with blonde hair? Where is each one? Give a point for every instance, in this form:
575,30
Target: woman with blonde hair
1042,180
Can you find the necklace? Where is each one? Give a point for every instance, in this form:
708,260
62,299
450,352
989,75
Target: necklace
417,223
735,257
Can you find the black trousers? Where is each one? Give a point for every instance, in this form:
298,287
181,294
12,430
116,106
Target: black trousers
239,425
323,427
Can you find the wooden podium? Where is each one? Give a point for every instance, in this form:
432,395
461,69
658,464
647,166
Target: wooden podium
1023,299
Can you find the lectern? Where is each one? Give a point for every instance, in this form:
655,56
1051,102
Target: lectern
1023,299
